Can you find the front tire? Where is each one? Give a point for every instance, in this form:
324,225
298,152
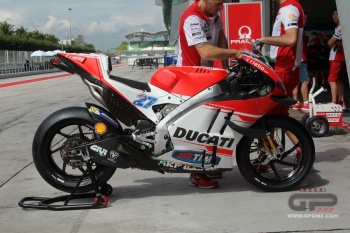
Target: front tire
66,128
287,168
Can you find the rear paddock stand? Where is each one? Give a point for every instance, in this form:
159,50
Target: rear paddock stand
45,203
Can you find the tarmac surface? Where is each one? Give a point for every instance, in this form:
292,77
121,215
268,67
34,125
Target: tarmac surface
149,202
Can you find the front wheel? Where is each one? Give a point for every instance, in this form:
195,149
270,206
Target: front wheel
283,167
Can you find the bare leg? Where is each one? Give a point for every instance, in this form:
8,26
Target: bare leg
295,93
304,91
334,91
340,87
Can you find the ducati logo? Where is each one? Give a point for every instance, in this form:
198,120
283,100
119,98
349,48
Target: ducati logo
203,138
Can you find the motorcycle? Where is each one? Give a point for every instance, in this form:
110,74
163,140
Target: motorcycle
185,120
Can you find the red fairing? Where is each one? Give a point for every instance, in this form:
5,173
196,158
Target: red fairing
187,80
280,90
89,63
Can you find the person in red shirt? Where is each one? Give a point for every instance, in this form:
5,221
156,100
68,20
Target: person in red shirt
201,41
286,49
337,64
286,46
304,78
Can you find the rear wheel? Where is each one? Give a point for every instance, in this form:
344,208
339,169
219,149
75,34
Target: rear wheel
281,169
50,153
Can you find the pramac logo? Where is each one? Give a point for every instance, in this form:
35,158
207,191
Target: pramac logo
245,36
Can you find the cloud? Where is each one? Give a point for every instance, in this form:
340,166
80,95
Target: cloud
103,23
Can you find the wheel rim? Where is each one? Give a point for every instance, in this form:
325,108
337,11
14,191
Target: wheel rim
67,137
283,168
317,126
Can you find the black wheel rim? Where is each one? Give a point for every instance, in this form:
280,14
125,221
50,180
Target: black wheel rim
282,169
67,136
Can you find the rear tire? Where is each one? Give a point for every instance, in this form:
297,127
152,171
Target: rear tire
60,131
287,169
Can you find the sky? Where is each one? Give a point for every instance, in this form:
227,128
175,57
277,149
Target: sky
102,23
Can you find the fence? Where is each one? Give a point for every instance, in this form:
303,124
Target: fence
7,56
20,68
16,63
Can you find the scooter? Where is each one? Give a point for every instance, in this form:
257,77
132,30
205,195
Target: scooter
187,119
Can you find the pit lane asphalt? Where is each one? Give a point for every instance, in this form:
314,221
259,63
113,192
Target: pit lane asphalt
144,201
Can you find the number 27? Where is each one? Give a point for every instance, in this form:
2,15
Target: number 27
145,101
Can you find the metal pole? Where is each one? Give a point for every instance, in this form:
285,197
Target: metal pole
70,27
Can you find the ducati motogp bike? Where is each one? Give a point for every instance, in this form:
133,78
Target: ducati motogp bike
185,120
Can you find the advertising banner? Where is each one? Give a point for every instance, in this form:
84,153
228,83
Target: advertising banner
243,23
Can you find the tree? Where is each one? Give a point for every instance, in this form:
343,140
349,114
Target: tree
122,46
36,35
51,38
79,41
21,31
6,28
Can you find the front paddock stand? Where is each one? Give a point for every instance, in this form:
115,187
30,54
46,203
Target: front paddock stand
100,200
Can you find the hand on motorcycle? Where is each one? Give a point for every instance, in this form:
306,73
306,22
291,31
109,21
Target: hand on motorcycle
256,46
238,55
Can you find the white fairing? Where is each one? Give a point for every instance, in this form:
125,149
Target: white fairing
187,126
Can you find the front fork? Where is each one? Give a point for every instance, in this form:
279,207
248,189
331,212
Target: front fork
270,148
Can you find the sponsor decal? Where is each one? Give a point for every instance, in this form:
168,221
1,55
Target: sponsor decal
291,16
333,114
190,168
144,101
113,155
169,164
76,58
195,157
206,27
203,138
198,38
102,152
100,128
256,64
245,34
102,114
196,33
194,24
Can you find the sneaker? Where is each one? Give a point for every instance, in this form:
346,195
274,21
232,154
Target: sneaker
298,105
202,181
306,107
216,175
